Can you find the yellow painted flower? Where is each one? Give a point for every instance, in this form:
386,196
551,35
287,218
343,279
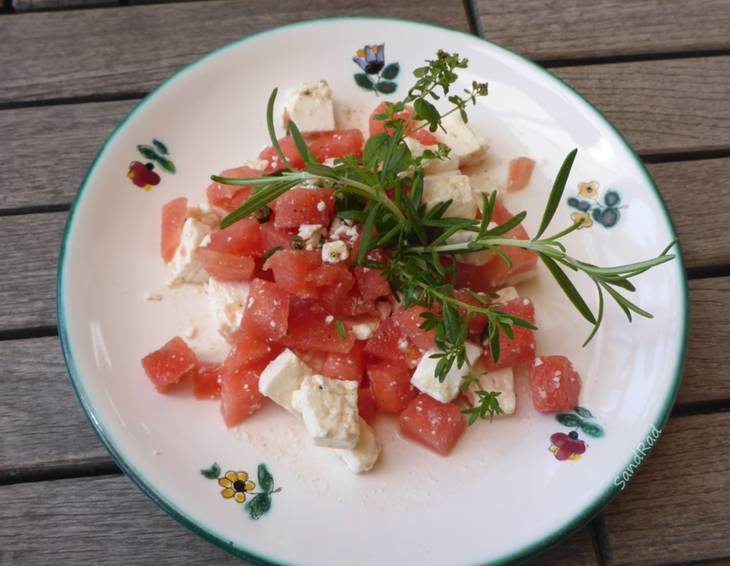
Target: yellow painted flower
584,218
588,190
235,485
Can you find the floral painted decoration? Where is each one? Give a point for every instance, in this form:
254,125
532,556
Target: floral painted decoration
143,175
591,209
570,446
376,76
238,487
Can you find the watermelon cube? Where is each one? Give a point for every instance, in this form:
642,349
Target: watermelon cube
554,383
170,364
435,425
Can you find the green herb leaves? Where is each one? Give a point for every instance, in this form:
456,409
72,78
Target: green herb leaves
486,406
383,191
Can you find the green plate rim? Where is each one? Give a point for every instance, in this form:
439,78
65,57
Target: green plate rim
138,478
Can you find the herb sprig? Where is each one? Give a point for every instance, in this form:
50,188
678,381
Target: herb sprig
383,190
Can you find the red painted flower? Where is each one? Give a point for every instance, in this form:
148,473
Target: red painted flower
142,175
567,446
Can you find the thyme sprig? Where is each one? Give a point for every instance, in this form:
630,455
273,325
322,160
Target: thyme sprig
383,190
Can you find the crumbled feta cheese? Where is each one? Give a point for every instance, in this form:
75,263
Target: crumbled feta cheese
342,230
507,294
310,106
452,186
501,381
149,296
321,206
465,143
227,301
363,456
329,319
282,377
472,258
432,166
537,363
190,332
184,267
364,330
334,252
329,410
312,235
424,378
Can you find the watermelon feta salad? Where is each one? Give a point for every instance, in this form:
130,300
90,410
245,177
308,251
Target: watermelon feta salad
334,325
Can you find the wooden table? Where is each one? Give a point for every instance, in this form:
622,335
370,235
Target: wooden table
659,69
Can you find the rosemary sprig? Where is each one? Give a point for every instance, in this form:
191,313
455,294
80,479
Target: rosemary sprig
383,191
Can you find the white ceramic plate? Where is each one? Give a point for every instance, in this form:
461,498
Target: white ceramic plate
502,494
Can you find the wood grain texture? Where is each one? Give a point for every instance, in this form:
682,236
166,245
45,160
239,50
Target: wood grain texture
28,265
661,106
107,520
692,190
41,421
55,433
47,149
132,49
576,550
708,356
31,5
675,510
574,29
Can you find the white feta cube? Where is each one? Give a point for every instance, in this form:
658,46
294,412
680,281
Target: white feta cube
227,302
453,186
282,377
363,456
432,166
329,410
424,378
501,381
472,258
364,329
334,252
483,183
310,106
465,143
184,267
507,294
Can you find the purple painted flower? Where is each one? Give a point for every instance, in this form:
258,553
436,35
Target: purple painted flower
371,58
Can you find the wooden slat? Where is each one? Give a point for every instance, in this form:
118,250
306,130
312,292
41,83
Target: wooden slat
47,150
41,422
94,521
676,508
28,263
574,29
576,550
693,190
131,49
708,356
107,521
661,106
31,5
26,299
54,432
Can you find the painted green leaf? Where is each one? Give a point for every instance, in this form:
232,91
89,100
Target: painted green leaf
258,506
161,147
391,71
583,412
567,419
212,473
591,429
363,81
386,87
266,480
150,153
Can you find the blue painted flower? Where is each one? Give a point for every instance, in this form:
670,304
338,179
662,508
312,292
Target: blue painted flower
371,58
